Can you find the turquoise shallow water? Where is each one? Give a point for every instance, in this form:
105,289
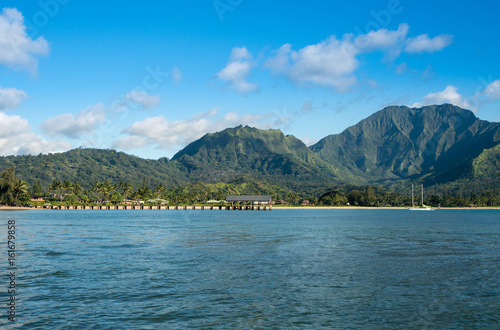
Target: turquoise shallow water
298,269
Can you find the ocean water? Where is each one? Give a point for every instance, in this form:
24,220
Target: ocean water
284,269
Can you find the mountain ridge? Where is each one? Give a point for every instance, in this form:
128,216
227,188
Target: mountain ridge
439,146
402,142
261,153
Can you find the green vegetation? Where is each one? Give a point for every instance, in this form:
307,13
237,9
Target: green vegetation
376,196
265,155
455,155
433,145
90,165
12,190
363,196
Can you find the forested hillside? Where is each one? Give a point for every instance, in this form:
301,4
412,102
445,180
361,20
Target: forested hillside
446,148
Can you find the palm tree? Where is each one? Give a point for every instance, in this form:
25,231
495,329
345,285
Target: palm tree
20,188
127,189
66,185
210,192
106,188
146,192
293,197
114,188
97,188
77,188
159,190
56,186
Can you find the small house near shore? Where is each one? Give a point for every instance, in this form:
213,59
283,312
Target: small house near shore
249,199
37,198
214,201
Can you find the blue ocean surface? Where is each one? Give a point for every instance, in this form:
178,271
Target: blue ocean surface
280,269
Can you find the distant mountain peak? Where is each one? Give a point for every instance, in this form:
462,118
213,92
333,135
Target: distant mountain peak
436,144
398,142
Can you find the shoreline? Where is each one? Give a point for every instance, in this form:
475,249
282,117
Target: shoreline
21,208
379,208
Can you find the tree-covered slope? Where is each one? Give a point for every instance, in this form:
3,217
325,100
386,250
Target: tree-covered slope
260,153
486,168
444,147
436,143
90,165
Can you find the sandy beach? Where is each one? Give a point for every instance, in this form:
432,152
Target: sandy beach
15,208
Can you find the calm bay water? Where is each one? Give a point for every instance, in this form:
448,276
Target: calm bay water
241,269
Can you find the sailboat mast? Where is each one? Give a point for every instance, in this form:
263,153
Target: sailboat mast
412,201
422,195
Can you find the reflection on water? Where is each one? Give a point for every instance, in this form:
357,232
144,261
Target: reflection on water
279,269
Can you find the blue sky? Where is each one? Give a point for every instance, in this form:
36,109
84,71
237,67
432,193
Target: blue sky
149,78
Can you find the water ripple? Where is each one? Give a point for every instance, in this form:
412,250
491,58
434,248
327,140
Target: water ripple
280,269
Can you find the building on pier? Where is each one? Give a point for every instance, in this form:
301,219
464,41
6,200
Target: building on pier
249,199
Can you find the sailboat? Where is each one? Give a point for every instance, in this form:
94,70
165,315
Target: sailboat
422,207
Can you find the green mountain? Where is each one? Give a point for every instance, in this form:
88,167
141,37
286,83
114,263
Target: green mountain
90,165
444,147
266,154
433,144
486,169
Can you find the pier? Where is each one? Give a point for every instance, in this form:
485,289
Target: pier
156,207
232,203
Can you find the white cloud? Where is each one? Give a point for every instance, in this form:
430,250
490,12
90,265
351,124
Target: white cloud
142,98
237,70
240,53
333,62
16,138
492,91
176,75
10,98
37,145
448,95
280,63
137,98
309,141
17,50
74,126
12,125
383,39
423,43
329,63
130,142
170,135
